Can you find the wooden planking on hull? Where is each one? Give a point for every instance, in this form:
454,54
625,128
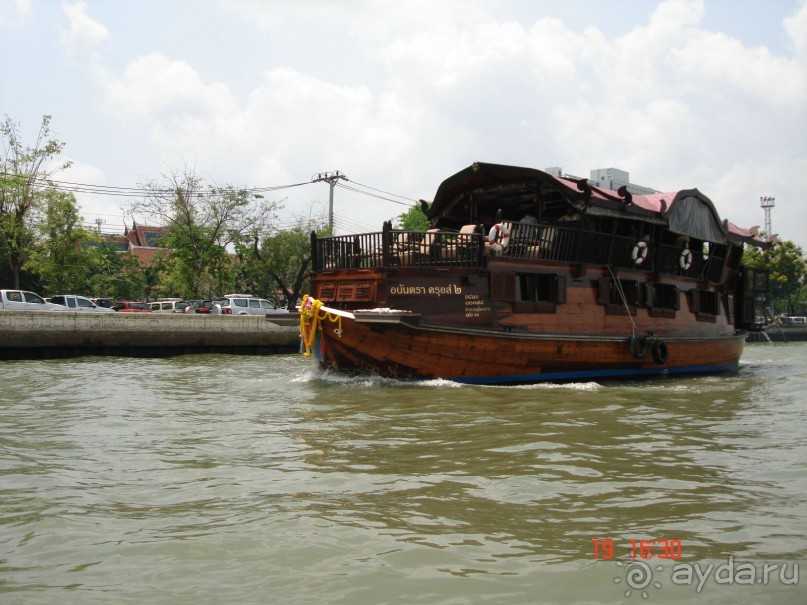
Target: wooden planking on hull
428,352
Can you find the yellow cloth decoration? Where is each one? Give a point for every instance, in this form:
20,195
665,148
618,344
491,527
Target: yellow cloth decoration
310,318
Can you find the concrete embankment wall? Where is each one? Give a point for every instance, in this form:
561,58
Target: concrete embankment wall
37,334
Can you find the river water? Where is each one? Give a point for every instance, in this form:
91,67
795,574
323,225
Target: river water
234,479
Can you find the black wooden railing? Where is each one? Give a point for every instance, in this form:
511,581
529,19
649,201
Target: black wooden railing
563,242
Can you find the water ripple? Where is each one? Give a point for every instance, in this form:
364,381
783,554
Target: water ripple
212,479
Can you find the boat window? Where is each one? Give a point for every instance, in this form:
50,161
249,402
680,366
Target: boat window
705,304
538,292
327,292
662,300
535,287
620,296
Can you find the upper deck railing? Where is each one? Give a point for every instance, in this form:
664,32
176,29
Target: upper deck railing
563,242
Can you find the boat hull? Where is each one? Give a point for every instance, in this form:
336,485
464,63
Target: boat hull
402,350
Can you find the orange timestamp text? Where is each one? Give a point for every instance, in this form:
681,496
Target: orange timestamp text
639,549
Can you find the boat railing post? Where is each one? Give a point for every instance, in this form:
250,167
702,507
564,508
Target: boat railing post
314,256
386,243
480,245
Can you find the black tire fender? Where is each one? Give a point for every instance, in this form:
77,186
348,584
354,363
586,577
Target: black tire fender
638,346
661,352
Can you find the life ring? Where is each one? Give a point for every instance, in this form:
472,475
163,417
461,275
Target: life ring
685,259
639,252
660,351
638,346
499,237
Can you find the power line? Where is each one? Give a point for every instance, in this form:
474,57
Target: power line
333,179
384,192
114,191
380,197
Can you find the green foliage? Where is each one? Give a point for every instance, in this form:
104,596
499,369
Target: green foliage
412,220
279,263
787,270
23,179
112,274
61,257
203,220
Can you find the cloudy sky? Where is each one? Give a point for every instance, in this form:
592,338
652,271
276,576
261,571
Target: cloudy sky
398,95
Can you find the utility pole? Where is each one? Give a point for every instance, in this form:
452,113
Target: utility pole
330,178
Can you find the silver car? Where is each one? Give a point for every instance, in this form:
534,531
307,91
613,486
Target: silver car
73,302
245,304
22,300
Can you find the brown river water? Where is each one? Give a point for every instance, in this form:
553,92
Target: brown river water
233,479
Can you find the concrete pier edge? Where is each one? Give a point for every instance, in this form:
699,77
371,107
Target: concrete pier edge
39,334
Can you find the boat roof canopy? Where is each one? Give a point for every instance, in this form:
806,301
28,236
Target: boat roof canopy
478,192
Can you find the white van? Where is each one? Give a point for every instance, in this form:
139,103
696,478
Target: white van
168,305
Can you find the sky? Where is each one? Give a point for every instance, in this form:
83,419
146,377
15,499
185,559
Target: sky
400,95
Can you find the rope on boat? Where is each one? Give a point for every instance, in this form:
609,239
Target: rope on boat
311,315
624,301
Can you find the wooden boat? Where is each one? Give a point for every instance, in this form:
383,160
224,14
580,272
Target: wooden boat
525,276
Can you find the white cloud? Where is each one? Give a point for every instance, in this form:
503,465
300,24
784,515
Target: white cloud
796,27
83,34
713,61
14,11
673,103
155,86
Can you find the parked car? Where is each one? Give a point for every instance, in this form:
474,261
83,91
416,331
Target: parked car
168,306
246,304
202,306
131,307
106,303
22,300
74,302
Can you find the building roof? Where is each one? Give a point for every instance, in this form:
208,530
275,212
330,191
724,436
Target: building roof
145,236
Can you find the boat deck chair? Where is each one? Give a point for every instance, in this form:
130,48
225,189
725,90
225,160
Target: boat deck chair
535,242
410,251
461,248
401,249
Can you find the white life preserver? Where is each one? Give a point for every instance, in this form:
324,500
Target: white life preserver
639,252
499,237
685,260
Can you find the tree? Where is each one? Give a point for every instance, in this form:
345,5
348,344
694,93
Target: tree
113,274
23,179
280,261
61,257
413,219
203,220
787,269
286,257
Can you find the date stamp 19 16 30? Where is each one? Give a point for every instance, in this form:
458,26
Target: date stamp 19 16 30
604,548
